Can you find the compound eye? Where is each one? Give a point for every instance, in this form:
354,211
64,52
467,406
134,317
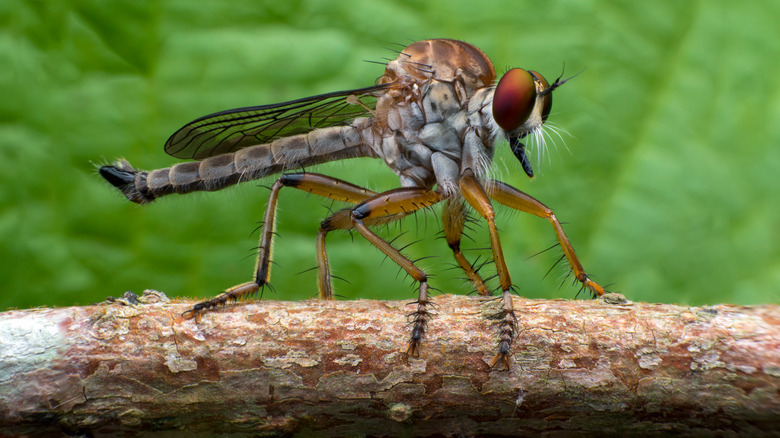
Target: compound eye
547,104
514,99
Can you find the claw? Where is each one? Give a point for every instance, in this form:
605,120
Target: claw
593,287
502,360
413,350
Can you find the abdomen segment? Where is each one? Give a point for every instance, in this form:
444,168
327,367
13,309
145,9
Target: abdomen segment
220,171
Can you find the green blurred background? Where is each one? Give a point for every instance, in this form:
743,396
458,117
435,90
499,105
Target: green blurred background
668,183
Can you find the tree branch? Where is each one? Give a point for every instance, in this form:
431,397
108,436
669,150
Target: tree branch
338,368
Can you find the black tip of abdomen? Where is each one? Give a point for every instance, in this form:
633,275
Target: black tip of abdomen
123,176
117,177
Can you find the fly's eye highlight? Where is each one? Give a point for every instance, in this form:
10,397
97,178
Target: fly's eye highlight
514,99
547,105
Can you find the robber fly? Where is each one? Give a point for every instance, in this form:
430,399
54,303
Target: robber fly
433,117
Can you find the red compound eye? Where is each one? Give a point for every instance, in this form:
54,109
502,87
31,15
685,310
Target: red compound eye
514,99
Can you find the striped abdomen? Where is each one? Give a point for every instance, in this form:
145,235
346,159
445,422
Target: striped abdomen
220,171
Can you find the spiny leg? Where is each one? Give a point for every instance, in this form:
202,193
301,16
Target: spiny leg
514,198
453,218
475,195
262,264
336,189
317,184
382,208
341,220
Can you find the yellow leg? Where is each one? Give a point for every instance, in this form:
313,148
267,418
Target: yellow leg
453,218
475,195
511,197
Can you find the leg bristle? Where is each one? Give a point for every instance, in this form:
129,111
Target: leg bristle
233,294
419,321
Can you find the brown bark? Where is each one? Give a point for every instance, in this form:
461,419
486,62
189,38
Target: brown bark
338,368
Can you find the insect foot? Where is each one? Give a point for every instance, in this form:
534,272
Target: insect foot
594,288
232,294
419,321
507,325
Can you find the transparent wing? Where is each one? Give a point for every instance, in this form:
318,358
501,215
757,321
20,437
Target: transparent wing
231,130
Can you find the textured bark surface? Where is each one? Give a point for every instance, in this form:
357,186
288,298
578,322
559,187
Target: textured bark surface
338,368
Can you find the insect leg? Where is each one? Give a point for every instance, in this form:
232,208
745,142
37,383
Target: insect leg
514,198
384,207
453,217
475,195
262,265
341,220
311,182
